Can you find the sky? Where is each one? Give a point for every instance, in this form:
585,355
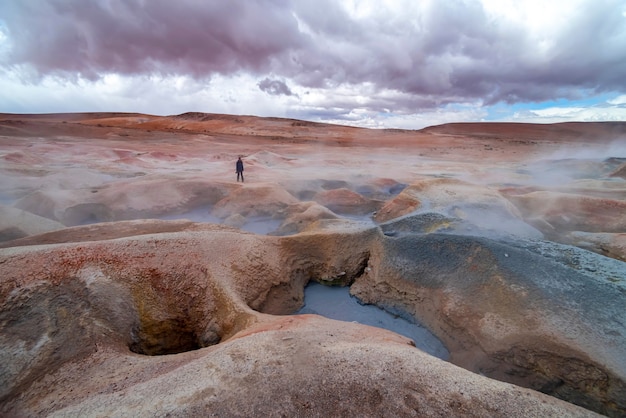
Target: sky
371,63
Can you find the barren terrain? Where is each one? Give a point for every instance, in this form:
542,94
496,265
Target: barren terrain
138,277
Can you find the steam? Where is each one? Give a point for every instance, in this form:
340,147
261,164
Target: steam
53,177
591,151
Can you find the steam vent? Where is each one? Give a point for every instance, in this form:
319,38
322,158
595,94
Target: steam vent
139,278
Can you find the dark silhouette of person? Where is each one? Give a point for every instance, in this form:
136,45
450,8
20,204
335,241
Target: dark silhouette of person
239,169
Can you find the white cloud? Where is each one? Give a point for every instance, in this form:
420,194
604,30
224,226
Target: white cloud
391,63
598,113
540,17
355,105
145,94
619,100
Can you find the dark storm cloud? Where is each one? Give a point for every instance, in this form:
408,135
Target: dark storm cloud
431,54
275,87
156,36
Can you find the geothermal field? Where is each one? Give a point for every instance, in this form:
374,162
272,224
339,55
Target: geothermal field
460,270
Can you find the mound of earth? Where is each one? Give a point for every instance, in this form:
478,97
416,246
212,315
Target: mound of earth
300,216
96,317
254,200
345,201
406,202
620,172
142,197
553,211
478,208
533,313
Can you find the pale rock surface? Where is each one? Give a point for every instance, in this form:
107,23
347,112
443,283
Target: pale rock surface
69,325
289,366
255,200
300,216
611,245
533,313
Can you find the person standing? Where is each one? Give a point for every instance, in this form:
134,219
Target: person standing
239,169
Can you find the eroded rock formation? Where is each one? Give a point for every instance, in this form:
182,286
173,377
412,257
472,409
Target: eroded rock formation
95,316
531,313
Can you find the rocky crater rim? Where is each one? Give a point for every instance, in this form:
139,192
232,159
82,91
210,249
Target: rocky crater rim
190,286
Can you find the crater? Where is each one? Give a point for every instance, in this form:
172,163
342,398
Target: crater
172,336
170,322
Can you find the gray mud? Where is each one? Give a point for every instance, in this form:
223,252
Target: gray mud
337,303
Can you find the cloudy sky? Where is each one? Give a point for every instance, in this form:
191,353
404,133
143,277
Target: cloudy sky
372,63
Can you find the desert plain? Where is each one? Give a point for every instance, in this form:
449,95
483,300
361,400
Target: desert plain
138,277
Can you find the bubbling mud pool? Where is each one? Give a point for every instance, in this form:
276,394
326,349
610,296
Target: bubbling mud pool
337,303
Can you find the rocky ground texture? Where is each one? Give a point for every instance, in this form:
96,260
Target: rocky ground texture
138,277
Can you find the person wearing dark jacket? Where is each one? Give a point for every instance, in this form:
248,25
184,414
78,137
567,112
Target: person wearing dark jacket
239,169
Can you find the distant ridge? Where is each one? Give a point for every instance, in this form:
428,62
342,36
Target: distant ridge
538,131
270,127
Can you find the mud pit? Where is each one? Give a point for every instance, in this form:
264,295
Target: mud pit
337,303
507,248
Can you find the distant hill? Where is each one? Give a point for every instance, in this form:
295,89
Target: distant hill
211,123
567,131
